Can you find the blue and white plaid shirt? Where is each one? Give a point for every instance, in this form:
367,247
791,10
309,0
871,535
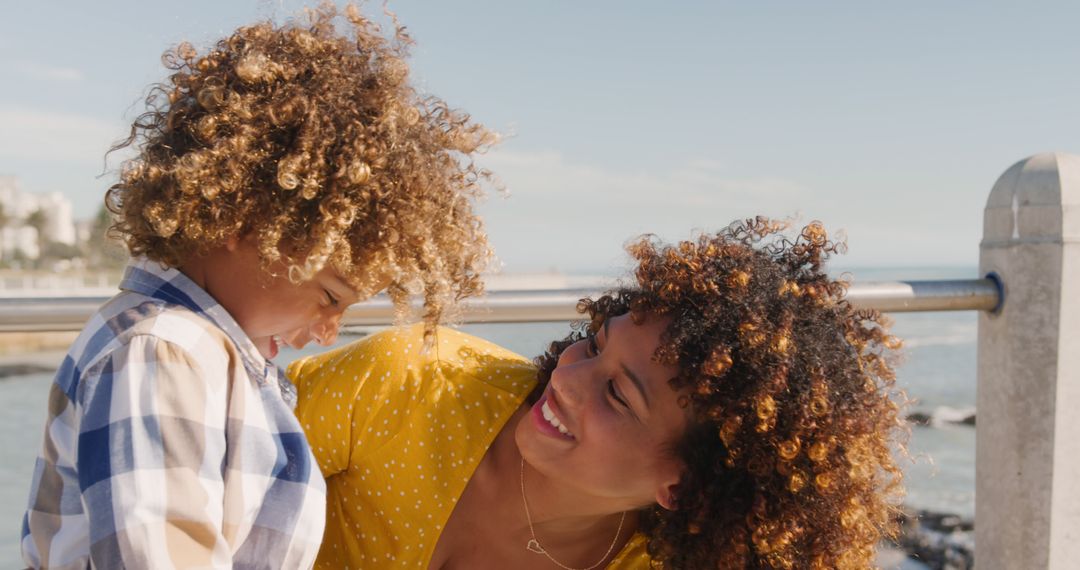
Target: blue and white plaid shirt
171,443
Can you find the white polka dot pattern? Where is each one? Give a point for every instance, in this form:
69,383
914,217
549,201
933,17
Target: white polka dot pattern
398,434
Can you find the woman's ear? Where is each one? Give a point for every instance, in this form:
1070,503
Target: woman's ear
668,496
667,488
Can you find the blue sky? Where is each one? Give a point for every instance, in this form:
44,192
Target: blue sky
890,121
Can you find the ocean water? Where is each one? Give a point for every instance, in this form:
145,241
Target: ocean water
937,373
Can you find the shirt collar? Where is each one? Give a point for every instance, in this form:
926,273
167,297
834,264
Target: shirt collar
168,284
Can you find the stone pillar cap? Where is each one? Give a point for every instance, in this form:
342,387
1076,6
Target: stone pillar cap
1035,200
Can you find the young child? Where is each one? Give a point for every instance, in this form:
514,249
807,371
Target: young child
282,175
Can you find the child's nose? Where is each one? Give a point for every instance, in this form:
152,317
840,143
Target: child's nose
325,332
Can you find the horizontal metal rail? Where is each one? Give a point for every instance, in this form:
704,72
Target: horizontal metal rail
71,313
984,294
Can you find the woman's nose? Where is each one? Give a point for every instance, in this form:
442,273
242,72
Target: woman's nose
569,383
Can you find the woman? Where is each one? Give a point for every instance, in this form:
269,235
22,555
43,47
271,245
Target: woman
729,410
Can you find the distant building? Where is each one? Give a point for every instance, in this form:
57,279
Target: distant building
23,239
59,224
16,236
9,186
84,231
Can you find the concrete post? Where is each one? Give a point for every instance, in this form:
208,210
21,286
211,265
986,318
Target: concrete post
1027,490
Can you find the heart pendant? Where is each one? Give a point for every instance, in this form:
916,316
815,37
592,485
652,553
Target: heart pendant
534,546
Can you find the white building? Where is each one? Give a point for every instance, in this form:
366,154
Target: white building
9,187
22,239
59,224
16,236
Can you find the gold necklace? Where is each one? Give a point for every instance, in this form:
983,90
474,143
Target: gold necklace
534,544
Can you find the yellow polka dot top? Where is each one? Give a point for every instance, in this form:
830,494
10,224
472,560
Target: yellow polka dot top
398,434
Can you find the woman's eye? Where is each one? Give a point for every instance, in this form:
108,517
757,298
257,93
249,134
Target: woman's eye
615,394
330,300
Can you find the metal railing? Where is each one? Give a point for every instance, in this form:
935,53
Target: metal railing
34,314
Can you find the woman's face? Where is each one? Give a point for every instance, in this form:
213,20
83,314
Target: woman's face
607,419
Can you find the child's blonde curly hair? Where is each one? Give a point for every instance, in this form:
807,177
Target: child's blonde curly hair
313,143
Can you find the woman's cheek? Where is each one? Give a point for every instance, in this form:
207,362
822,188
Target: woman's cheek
606,425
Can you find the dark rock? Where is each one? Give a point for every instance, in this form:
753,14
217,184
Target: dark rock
940,417
940,540
9,370
919,418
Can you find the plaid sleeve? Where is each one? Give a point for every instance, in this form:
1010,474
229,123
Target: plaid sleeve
151,449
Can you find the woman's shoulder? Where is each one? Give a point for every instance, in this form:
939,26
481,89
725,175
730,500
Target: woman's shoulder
402,349
367,393
386,397
634,554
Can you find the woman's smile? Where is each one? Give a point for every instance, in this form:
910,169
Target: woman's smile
548,421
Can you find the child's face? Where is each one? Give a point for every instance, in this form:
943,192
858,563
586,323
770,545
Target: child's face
274,311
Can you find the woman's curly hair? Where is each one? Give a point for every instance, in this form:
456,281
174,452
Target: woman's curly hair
313,143
793,424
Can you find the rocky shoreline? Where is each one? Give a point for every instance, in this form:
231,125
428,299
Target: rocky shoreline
942,541
943,415
26,362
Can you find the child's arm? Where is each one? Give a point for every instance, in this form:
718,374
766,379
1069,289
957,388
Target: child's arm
151,458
